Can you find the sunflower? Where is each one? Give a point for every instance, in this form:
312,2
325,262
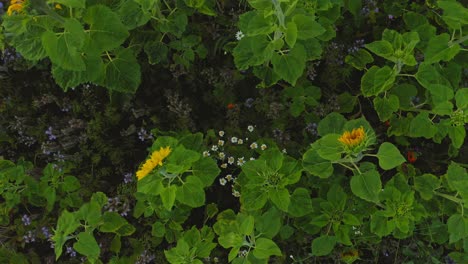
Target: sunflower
155,159
15,6
353,138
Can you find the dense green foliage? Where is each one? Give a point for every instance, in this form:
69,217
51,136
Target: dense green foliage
219,131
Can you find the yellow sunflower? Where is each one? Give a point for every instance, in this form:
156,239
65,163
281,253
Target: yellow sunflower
353,138
156,159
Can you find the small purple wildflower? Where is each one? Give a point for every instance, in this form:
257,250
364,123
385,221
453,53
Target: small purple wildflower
29,237
26,220
249,102
46,232
71,252
50,134
128,177
144,135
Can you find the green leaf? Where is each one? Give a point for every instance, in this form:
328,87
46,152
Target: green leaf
377,80
106,31
259,25
175,23
457,134
87,245
72,78
427,75
191,192
439,49
168,196
425,185
122,72
457,227
246,226
150,185
316,165
112,221
354,7
405,92
386,106
389,156
158,229
66,225
461,98
307,27
367,185
300,204
422,126
206,170
64,49
230,239
269,224
132,14
332,123
265,248
329,148
181,159
254,199
290,66
455,14
457,178
291,34
323,245
280,197
380,224
359,59
157,52
30,44
252,51
440,93
260,4
381,48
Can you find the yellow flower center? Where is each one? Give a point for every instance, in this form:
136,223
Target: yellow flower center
353,138
156,159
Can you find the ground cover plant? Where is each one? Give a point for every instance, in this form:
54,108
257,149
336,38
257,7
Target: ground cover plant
222,131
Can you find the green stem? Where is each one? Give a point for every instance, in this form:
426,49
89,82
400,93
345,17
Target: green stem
449,197
405,74
459,41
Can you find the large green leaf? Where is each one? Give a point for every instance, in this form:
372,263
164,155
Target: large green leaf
206,170
122,72
367,185
72,78
376,80
439,48
457,227
381,48
300,204
389,156
280,197
132,14
265,248
386,106
332,123
316,165
191,192
29,44
425,185
290,66
64,48
252,51
422,126
106,31
307,27
323,245
87,245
